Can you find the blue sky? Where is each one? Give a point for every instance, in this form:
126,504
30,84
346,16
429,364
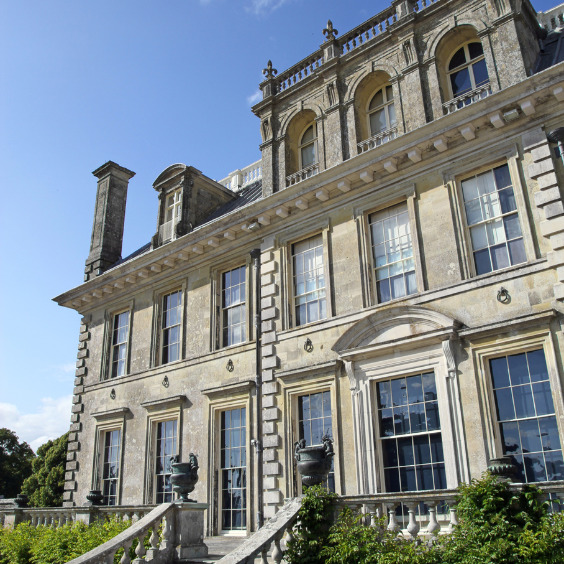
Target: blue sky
145,84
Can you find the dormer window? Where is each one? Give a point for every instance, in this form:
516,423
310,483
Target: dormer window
381,111
308,147
467,69
173,210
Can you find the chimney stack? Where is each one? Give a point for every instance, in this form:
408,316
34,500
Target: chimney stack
109,217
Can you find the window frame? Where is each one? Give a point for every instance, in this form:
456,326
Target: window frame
313,142
223,399
106,423
216,335
384,106
525,342
157,333
326,274
296,385
155,416
469,266
371,282
467,65
176,208
107,348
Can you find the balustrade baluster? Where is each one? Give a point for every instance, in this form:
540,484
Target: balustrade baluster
167,533
393,524
433,525
125,559
413,525
453,519
135,517
264,555
277,551
140,549
110,557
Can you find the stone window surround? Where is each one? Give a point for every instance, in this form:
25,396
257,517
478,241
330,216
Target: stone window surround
453,181
540,338
222,399
113,420
406,194
167,409
294,385
285,241
156,335
367,372
106,361
216,325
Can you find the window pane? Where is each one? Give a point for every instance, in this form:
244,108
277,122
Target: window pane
475,49
460,82
480,71
459,58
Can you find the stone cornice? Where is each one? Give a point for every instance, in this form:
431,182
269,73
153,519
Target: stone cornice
422,147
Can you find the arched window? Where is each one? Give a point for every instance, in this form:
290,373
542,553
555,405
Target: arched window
467,69
381,111
308,146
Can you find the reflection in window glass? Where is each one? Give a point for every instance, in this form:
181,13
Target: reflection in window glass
110,472
491,215
166,448
392,251
233,306
233,470
525,412
410,433
309,281
382,111
314,422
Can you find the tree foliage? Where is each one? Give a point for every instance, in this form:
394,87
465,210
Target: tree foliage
45,485
15,463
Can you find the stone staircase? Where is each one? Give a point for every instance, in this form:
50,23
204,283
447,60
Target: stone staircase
218,547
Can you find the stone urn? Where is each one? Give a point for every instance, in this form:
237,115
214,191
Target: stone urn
184,477
95,497
21,500
314,462
502,467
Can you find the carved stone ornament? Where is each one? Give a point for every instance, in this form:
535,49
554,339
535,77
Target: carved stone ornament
269,72
330,32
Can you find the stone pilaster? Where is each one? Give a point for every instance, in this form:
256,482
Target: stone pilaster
549,200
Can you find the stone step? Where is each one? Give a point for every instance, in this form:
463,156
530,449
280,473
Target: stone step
218,547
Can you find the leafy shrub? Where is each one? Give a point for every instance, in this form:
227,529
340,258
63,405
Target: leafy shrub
497,526
312,527
56,545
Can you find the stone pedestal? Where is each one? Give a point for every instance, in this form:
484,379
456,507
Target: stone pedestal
189,528
13,518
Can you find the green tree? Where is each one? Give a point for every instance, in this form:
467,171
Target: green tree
15,463
46,483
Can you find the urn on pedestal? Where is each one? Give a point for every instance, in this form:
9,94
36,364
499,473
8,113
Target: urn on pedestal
314,462
184,477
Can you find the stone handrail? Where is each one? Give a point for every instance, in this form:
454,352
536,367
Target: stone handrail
306,67
378,139
271,533
425,524
160,548
467,99
306,172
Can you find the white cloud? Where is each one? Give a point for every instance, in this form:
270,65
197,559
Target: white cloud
262,6
254,98
49,422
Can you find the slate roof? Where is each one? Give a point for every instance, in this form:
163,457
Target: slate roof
552,51
245,197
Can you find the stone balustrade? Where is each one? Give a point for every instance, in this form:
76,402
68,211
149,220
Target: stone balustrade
377,140
412,514
553,18
467,99
268,539
367,30
302,174
299,71
243,177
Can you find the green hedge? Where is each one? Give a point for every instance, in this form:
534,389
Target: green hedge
497,526
56,545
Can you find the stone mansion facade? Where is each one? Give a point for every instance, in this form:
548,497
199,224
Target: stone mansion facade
390,273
